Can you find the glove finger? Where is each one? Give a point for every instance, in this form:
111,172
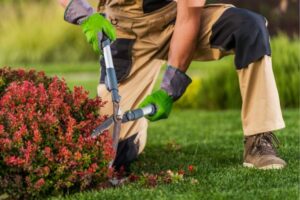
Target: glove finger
157,116
96,46
89,37
110,33
109,29
146,102
113,34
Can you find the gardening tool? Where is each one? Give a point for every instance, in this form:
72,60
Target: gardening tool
117,118
128,116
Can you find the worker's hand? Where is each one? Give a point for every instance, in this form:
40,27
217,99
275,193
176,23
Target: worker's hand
172,87
80,12
94,24
163,103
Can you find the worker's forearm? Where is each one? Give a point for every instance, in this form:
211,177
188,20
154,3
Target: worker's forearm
184,38
182,46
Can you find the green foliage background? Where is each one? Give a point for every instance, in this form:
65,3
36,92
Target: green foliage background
34,33
280,19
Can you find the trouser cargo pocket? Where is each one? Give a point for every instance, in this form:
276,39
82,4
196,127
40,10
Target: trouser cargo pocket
121,50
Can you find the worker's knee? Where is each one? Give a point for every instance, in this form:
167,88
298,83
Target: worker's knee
130,147
252,40
243,31
127,152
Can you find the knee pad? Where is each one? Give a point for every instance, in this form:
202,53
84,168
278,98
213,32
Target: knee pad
243,31
127,152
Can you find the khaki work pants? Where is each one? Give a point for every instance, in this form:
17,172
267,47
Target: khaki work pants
152,34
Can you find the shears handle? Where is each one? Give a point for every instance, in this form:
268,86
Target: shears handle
139,113
112,82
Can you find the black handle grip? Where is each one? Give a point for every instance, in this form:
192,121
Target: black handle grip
113,84
139,113
111,78
134,115
103,40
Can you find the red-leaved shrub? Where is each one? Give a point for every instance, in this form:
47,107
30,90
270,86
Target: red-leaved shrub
45,148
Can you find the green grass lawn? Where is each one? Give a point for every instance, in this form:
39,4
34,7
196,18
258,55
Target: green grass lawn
213,142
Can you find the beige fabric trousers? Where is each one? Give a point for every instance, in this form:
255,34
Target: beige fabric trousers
261,109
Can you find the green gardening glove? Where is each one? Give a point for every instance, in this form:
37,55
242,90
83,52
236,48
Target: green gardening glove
172,87
80,12
94,24
163,103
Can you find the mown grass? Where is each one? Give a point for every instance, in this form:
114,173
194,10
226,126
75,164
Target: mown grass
210,140
213,142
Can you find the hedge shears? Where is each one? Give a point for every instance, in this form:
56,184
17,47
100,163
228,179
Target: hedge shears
117,118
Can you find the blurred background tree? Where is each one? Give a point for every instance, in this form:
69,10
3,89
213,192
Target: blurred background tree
283,15
34,31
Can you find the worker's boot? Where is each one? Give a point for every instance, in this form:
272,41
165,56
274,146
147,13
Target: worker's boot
260,152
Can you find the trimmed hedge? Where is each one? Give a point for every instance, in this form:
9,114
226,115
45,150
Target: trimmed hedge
45,142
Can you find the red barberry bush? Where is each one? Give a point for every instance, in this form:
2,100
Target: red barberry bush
45,143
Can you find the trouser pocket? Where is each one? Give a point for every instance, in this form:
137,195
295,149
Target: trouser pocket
121,51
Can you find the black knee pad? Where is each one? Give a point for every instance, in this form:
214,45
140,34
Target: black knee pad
243,31
127,152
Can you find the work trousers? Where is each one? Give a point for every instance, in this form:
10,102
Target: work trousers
142,48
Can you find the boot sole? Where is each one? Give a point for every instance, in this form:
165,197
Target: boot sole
271,166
